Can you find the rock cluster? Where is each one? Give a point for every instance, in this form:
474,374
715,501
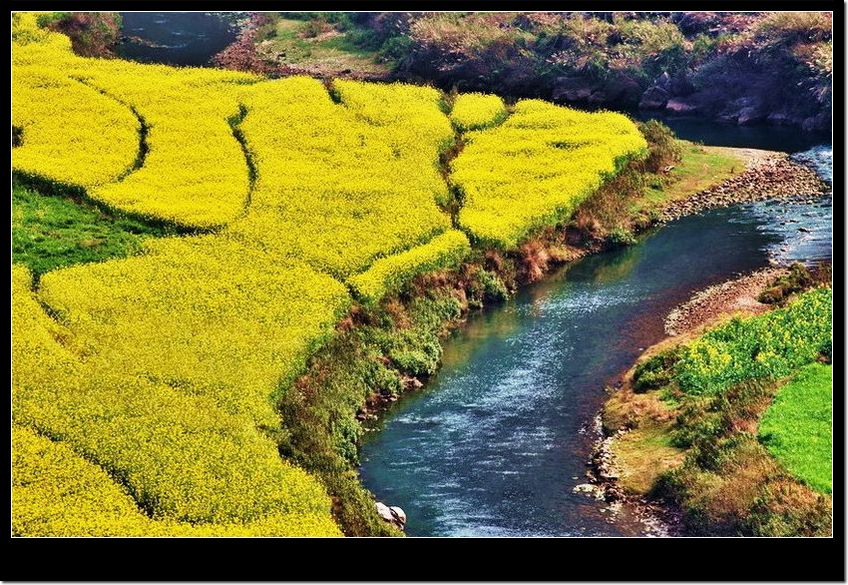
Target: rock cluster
603,473
771,177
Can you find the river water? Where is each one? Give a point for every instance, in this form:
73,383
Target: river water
175,38
496,441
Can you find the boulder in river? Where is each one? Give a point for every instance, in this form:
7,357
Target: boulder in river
399,514
393,514
385,512
680,106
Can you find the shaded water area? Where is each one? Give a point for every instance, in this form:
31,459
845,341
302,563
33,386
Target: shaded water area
496,441
174,38
709,131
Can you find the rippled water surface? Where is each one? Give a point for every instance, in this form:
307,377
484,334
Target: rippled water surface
495,442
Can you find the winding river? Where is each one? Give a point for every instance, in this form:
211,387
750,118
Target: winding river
496,441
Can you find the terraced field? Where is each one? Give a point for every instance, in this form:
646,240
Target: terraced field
144,388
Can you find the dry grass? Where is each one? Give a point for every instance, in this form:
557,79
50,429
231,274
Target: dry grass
644,454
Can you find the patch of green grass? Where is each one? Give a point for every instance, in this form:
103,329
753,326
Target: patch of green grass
50,232
635,198
797,428
333,51
700,167
644,454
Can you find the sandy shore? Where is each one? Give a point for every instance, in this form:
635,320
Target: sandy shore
733,296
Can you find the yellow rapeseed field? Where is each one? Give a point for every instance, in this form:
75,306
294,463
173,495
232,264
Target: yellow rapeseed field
336,187
535,168
97,151
473,111
144,388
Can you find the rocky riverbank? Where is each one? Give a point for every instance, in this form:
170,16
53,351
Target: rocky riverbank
603,474
769,175
617,482
737,295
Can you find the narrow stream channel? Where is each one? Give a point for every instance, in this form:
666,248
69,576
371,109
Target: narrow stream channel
496,441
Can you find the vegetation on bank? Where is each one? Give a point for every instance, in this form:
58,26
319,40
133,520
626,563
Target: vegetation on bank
169,368
697,436
743,68
331,45
92,34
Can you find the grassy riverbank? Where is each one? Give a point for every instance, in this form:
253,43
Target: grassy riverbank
732,425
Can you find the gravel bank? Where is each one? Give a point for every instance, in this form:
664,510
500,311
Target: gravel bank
769,175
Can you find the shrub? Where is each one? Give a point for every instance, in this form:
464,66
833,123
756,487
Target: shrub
655,372
663,147
621,237
798,279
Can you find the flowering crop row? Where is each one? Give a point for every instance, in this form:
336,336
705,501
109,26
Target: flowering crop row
70,133
474,111
535,168
338,186
194,172
206,315
770,345
389,274
56,492
182,456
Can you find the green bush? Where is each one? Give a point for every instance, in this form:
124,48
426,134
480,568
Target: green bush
621,237
654,372
663,147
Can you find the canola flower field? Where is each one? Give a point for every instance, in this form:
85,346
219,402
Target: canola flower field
772,345
144,388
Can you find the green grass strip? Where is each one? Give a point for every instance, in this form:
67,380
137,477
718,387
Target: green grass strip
797,427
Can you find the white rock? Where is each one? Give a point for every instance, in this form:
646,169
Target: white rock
399,514
385,512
